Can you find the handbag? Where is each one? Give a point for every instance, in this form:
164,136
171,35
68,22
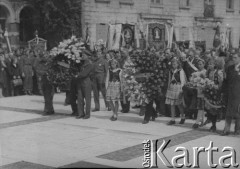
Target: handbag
17,82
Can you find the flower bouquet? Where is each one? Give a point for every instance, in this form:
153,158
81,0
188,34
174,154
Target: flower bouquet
212,95
65,62
197,80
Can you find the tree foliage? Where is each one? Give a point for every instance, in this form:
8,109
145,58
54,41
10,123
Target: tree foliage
58,19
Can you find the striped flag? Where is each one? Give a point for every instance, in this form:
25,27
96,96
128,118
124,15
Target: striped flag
217,39
87,36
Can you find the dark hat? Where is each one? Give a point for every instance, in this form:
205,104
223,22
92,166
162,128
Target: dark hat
222,54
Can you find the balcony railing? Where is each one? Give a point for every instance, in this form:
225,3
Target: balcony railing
208,11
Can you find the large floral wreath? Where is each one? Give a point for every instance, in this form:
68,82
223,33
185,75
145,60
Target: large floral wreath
148,77
65,62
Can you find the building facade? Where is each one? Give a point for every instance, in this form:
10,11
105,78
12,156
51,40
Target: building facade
17,17
191,19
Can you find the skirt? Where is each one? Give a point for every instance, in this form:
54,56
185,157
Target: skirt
174,94
200,103
113,91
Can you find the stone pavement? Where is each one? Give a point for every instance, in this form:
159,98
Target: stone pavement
31,141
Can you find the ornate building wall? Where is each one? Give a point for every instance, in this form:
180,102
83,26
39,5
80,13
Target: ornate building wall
12,10
191,18
194,19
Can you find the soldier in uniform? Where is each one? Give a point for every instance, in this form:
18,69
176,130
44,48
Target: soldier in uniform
84,87
73,96
99,78
47,89
38,66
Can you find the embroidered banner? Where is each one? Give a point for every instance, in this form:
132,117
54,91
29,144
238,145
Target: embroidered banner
128,35
114,35
156,35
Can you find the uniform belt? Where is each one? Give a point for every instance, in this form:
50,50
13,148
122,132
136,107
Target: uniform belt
98,72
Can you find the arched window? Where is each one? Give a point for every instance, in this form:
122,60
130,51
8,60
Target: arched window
27,24
4,14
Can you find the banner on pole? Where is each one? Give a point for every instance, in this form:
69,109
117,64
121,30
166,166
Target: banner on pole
156,35
128,36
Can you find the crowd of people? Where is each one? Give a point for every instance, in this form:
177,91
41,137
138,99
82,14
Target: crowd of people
20,72
104,72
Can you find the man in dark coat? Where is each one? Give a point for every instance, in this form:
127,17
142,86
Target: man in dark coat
47,89
8,62
84,87
15,74
3,75
73,95
232,86
189,66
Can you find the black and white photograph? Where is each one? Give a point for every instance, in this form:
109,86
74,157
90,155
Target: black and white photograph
119,84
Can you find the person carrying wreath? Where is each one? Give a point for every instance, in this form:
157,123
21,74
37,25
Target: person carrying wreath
232,86
114,88
174,95
47,88
84,86
214,73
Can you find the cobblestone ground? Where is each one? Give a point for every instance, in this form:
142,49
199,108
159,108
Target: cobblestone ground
31,141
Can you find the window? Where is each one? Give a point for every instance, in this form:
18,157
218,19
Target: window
184,34
239,6
156,3
102,1
184,4
208,2
230,5
101,32
208,8
126,2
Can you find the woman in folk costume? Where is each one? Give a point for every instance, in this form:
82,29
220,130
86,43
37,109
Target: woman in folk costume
15,76
174,96
214,73
114,88
28,73
200,98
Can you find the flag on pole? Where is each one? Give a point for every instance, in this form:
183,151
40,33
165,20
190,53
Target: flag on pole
7,39
1,32
87,35
114,36
217,38
191,38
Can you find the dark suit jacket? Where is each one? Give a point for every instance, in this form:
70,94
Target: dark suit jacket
86,70
187,69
